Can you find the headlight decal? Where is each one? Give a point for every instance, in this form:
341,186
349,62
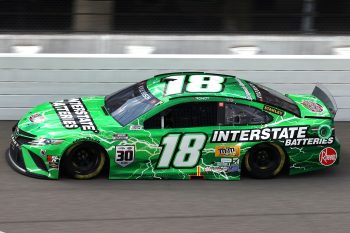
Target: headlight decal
45,141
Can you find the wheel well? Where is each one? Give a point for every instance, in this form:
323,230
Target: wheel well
66,152
278,146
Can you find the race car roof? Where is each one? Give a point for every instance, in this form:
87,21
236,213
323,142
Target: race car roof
177,84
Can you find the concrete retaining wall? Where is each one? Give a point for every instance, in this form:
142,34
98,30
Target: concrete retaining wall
27,80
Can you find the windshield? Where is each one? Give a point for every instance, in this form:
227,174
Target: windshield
128,104
271,97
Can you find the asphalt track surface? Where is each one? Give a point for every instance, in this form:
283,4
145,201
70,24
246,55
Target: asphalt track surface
314,202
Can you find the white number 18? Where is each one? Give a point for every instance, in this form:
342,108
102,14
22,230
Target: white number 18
196,83
183,151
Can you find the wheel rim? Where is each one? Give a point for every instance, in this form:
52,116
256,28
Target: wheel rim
264,159
85,160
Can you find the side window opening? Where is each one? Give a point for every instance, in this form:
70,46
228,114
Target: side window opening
274,98
237,114
154,122
195,114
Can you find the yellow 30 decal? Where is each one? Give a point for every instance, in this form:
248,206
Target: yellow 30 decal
227,151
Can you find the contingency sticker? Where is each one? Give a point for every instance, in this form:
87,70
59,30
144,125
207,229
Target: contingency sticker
227,151
37,118
225,165
53,161
312,106
120,137
125,155
273,110
328,156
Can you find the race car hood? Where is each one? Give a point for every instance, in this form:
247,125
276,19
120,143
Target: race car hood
77,114
311,106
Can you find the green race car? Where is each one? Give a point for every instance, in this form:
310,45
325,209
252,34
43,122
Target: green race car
188,125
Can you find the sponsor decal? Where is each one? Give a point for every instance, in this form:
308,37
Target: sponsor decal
273,110
257,92
120,137
54,161
225,165
226,162
312,106
233,168
144,93
136,127
309,141
43,152
125,155
216,169
227,151
247,93
291,136
73,114
220,169
328,156
235,161
37,118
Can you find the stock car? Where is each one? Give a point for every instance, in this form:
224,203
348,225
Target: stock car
186,125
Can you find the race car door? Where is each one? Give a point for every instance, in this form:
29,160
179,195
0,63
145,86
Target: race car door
173,141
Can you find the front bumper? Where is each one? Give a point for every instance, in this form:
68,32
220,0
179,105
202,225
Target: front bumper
15,159
28,160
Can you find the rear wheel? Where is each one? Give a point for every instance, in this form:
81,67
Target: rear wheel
265,161
84,161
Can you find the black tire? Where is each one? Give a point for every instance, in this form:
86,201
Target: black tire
84,161
265,161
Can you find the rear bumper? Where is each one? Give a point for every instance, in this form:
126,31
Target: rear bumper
309,159
14,158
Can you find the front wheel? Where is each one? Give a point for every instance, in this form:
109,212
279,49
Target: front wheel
84,161
265,161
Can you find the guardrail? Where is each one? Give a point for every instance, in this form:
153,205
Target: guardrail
27,80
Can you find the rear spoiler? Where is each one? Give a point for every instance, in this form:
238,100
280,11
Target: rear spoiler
322,93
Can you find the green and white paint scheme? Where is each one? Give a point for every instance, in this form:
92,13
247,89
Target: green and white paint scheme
303,129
